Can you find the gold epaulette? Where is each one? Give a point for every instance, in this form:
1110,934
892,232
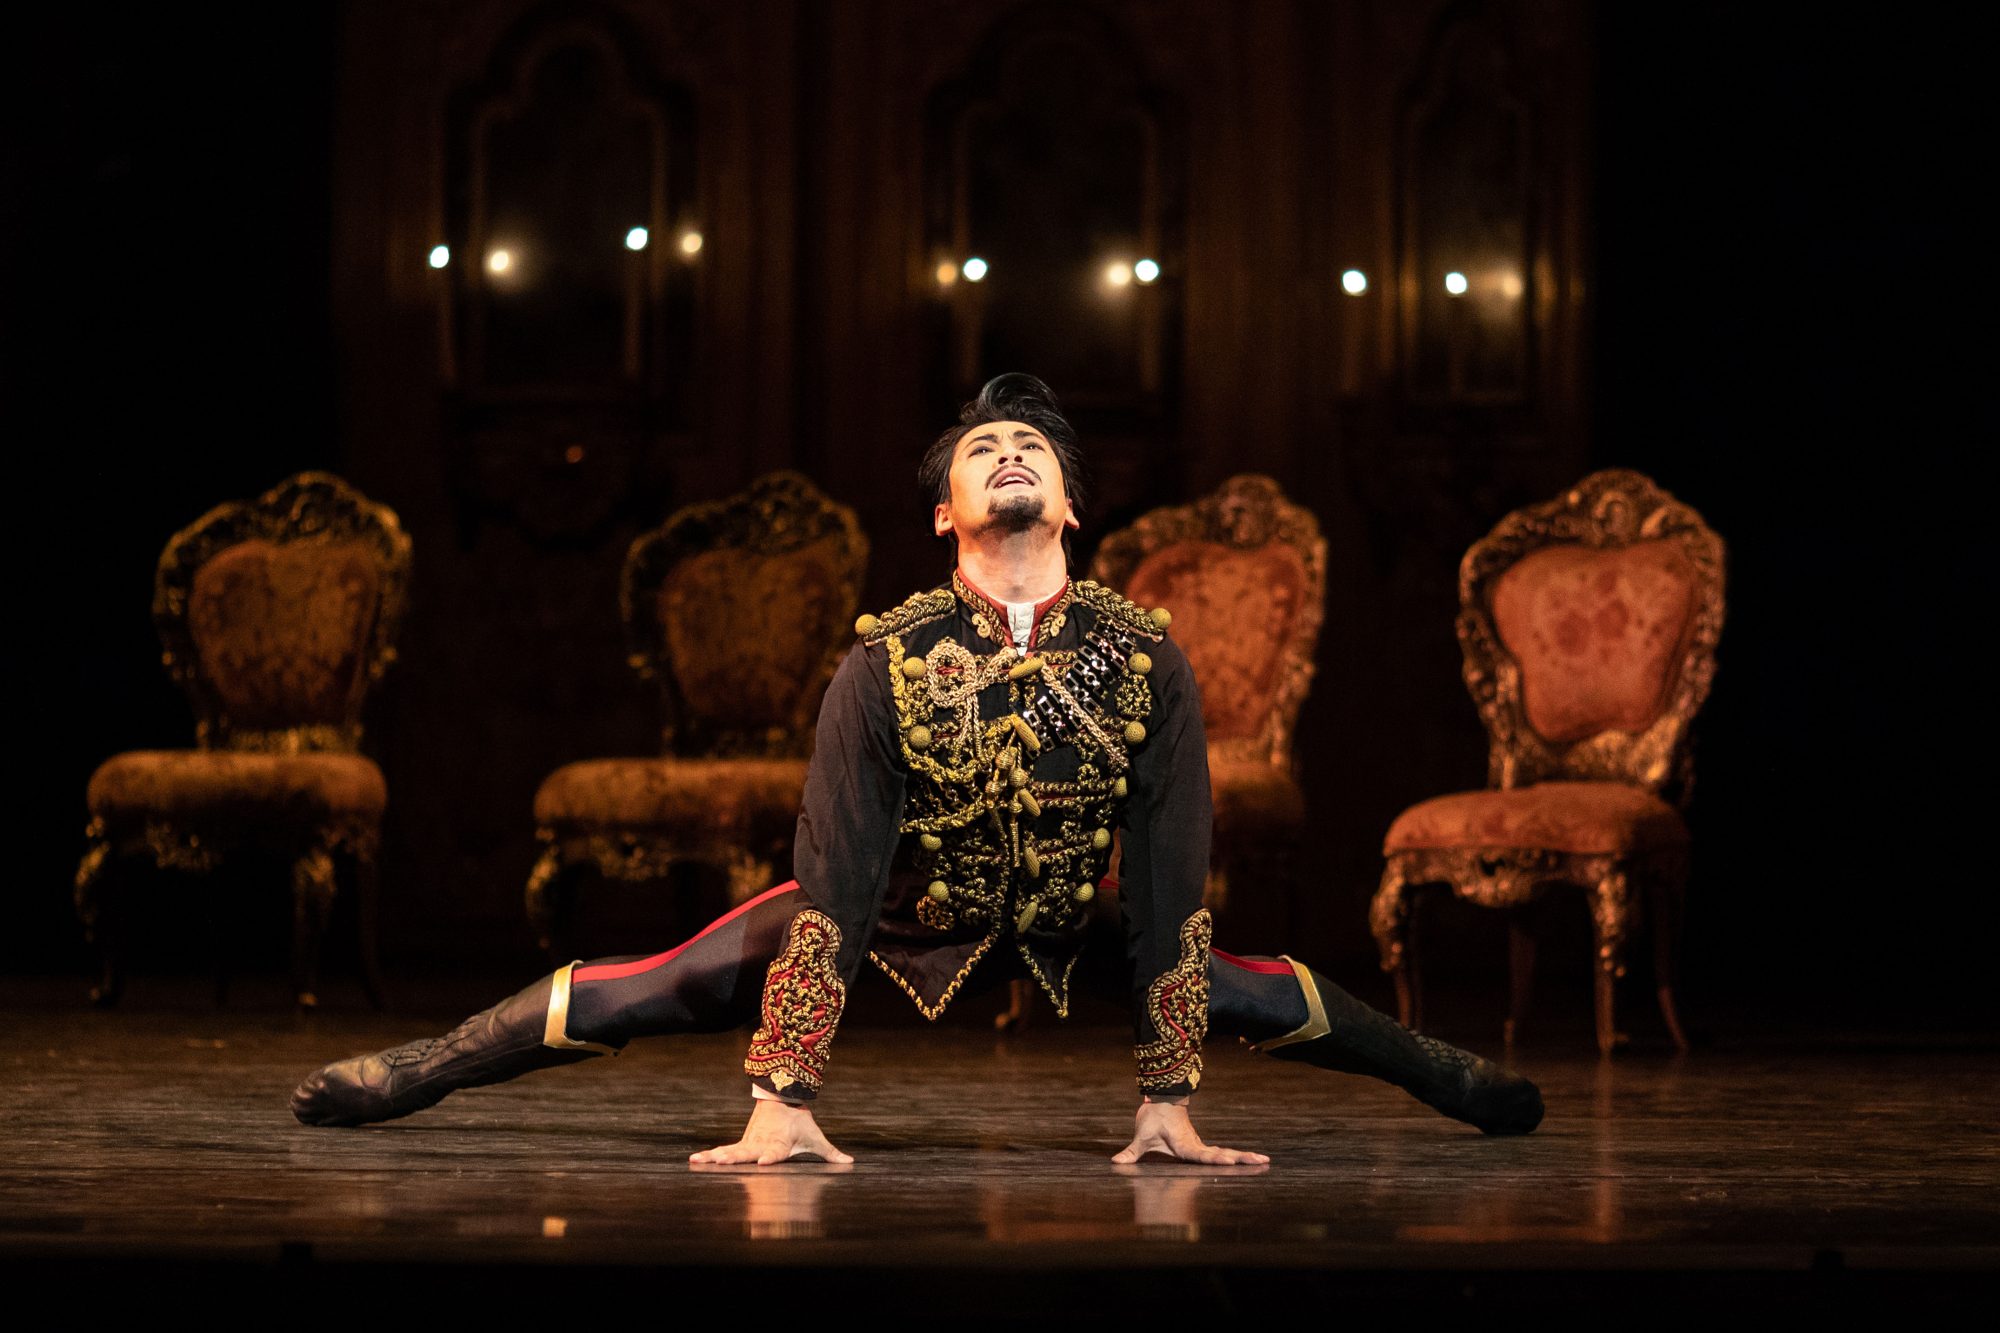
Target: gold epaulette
918,609
1126,614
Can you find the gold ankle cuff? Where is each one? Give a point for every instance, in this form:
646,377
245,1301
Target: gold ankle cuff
556,1033
1315,1024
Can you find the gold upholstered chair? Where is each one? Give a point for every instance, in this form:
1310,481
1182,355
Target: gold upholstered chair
739,610
1244,573
1589,627
276,615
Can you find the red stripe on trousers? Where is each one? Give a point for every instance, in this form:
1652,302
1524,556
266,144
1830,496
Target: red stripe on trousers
618,971
1275,969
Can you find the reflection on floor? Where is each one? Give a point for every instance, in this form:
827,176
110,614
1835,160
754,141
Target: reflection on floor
160,1142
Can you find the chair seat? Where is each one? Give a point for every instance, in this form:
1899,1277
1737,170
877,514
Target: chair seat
1584,818
231,783
1253,798
723,796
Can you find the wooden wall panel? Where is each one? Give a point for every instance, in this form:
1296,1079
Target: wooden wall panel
817,323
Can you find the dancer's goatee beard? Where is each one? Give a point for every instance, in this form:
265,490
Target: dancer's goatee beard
1015,513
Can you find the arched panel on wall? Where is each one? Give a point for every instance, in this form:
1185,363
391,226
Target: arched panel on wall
1481,403
1054,219
1471,258
570,316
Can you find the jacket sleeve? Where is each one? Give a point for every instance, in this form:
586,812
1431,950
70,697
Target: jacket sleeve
1166,836
849,822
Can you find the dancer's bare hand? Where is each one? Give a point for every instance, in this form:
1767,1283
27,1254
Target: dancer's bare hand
776,1133
1164,1128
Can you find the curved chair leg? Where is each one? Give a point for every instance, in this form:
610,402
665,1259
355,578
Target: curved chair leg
220,939
1390,918
1610,912
313,887
1668,891
99,929
544,904
368,905
1215,888
749,875
1520,971
1020,995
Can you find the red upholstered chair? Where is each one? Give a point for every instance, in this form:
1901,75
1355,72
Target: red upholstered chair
740,611
276,616
1589,627
1243,572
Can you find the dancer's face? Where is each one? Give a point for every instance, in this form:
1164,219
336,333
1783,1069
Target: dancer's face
1005,479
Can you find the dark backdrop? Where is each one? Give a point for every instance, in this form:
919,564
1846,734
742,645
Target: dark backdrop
1785,293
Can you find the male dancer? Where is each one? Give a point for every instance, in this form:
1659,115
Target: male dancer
974,753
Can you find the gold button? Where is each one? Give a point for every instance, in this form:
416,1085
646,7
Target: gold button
920,737
1140,663
914,668
1019,777
938,891
1085,892
1026,919
1101,839
1025,732
1161,617
1027,668
931,841
1033,860
1028,802
1119,788
867,625
1134,733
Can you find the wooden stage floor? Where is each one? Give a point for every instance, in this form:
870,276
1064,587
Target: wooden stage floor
156,1146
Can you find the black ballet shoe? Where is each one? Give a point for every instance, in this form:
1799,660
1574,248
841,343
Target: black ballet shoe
510,1039
1344,1034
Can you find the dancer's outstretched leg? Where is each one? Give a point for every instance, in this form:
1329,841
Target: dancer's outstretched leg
1291,1012
709,984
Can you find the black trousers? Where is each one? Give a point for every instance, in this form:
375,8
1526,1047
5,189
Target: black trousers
714,981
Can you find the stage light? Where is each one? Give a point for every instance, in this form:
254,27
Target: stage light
1146,270
440,256
690,243
1511,286
947,273
1354,282
573,454
498,261
1454,282
974,269
1119,275
636,238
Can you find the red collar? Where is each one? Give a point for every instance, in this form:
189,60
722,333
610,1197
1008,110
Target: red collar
996,612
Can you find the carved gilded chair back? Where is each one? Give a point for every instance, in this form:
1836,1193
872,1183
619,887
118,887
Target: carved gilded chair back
277,614
1244,573
1589,626
740,610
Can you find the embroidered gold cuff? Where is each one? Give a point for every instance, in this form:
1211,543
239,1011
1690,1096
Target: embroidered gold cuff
1177,1002
803,997
556,1031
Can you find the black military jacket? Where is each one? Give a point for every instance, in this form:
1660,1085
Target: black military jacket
962,800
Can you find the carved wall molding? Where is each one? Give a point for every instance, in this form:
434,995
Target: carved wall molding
997,144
